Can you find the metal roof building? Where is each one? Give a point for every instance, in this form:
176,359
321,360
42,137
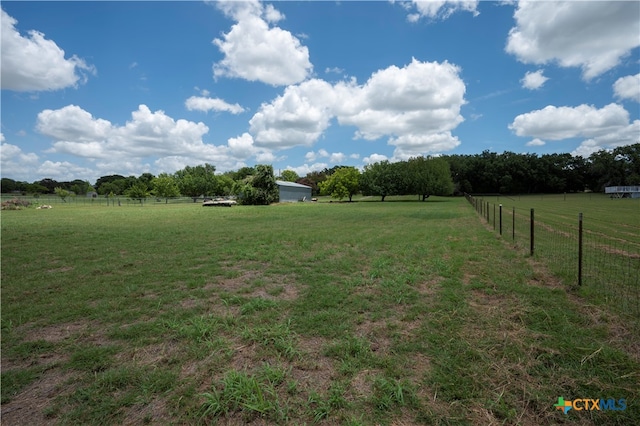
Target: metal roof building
291,192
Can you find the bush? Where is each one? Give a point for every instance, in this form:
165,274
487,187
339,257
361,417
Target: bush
15,204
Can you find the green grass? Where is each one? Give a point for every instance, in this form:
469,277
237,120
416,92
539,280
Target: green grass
399,312
611,242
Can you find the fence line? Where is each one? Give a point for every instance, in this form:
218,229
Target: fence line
97,201
605,268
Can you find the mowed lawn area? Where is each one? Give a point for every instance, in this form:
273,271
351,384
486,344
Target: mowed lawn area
400,312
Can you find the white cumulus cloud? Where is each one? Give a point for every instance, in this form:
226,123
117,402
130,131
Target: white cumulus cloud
297,117
593,35
337,157
374,158
413,145
33,63
438,9
622,136
15,163
534,80
418,105
149,141
306,168
600,128
148,134
628,87
536,142
556,123
255,51
74,124
66,171
420,98
203,103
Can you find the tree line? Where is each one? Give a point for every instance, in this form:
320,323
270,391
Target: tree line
488,172
511,173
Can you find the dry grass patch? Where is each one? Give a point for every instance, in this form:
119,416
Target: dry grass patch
313,370
155,355
155,412
30,405
57,333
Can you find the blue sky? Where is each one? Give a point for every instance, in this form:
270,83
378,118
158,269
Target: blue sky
98,88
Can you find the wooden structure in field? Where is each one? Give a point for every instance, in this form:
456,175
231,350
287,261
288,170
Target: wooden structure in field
632,191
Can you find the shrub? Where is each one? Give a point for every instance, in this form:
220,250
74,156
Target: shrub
15,204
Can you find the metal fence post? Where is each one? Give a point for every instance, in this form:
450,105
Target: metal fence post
500,219
532,228
513,224
580,249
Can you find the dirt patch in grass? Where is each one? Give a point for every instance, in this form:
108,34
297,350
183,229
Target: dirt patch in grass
189,303
148,295
61,269
153,413
421,364
313,370
216,306
236,283
154,355
255,283
430,287
59,332
29,406
376,333
276,292
245,357
468,277
362,383
542,277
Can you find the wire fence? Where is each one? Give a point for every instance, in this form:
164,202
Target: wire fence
578,250
52,200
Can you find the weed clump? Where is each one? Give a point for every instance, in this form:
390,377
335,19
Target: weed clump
250,395
14,204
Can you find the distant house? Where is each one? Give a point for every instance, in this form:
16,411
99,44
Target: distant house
291,192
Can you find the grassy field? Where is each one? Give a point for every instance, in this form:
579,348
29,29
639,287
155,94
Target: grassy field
328,313
611,242
615,219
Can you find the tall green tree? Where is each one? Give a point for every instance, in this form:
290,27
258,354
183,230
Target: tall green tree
80,187
343,183
260,188
197,181
313,180
289,176
139,192
382,179
429,176
62,193
224,185
9,185
147,179
165,186
109,179
36,189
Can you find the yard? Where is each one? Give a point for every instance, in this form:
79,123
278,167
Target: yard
400,312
